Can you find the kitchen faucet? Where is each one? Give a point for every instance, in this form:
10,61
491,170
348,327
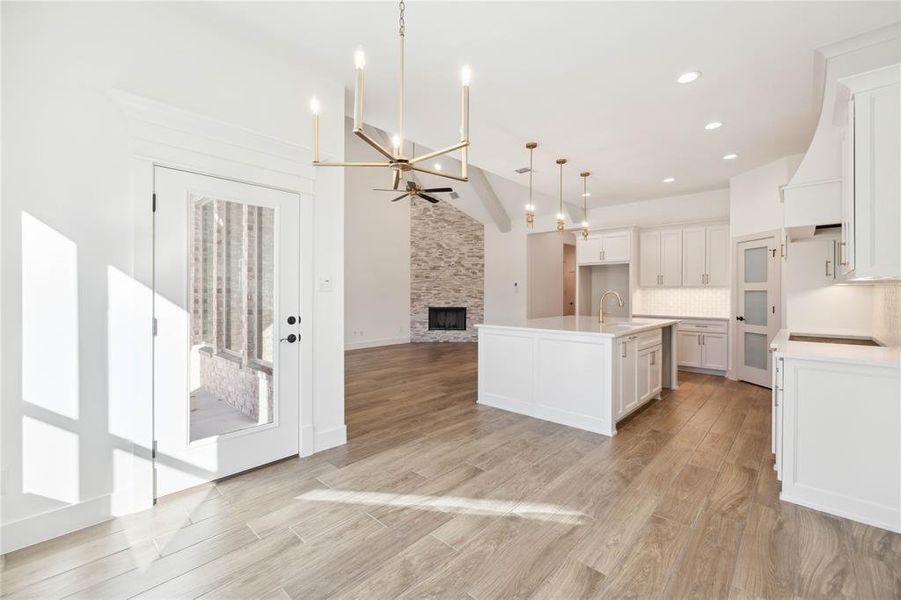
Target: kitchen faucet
619,300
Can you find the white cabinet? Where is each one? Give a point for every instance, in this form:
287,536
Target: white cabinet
703,345
871,209
705,256
639,370
627,376
604,248
660,258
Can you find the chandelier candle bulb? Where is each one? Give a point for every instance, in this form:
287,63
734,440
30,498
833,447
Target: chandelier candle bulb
360,62
314,108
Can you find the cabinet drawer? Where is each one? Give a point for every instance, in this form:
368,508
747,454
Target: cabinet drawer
703,326
650,338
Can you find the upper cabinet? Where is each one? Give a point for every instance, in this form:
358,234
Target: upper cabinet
705,256
870,247
660,258
605,248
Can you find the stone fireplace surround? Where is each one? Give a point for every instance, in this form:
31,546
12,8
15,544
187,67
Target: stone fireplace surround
447,269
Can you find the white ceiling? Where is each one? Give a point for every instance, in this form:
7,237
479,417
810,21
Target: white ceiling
593,82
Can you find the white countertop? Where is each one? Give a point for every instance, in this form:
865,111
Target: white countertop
613,328
680,317
845,353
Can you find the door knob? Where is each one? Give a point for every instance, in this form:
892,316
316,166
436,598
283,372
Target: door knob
739,318
290,339
292,320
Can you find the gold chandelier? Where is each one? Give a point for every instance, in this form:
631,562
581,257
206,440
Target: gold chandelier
530,207
584,175
395,159
561,217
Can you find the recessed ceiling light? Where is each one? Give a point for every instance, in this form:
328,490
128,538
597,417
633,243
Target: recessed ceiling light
730,156
437,166
669,180
713,125
689,77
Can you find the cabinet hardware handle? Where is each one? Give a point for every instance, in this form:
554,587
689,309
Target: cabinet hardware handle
703,341
653,358
828,262
841,254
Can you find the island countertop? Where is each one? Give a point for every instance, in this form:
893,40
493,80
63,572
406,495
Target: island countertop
613,328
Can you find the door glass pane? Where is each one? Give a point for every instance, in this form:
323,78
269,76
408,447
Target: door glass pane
756,350
755,307
232,277
756,264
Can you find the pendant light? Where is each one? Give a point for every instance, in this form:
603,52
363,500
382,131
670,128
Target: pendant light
561,218
530,207
584,175
395,159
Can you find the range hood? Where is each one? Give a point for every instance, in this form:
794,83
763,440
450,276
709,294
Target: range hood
813,196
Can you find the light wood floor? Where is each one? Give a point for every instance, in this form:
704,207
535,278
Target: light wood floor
434,496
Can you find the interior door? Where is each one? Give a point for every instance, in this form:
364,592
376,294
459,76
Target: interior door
226,309
758,309
569,279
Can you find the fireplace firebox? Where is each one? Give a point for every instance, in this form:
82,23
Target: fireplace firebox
447,318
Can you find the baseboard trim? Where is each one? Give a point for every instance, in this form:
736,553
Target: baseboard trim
548,413
376,343
703,371
307,440
54,523
329,438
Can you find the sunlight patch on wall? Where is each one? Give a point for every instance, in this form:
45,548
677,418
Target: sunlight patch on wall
49,461
49,318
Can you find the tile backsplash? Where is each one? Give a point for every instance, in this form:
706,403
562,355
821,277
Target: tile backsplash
682,302
887,314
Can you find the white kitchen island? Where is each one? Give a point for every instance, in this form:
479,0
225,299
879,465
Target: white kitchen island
574,370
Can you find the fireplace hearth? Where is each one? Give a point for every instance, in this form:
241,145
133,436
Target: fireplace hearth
447,318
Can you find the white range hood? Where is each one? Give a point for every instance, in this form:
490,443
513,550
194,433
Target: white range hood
813,195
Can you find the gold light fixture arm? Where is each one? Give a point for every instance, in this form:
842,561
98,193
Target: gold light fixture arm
441,174
379,148
437,153
353,164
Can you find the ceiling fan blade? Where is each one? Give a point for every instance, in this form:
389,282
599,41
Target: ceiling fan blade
439,190
382,190
429,198
395,179
401,197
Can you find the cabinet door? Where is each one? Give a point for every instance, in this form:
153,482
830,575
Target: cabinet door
714,351
689,349
649,259
627,399
671,258
588,252
694,256
644,375
616,246
656,371
718,256
846,245
877,182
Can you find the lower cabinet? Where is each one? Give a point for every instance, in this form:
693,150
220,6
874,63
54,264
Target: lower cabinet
703,345
639,372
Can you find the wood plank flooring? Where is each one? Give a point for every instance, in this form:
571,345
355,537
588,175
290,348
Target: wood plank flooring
435,496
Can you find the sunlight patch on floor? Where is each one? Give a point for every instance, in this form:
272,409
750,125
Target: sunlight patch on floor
453,504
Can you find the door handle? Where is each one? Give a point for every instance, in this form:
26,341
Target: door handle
739,318
292,320
290,339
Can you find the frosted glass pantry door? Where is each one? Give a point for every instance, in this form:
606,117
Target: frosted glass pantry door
758,309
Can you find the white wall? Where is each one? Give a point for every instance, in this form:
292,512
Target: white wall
755,204
66,167
376,254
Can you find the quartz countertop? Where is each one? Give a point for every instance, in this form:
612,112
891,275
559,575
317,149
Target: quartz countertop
680,317
613,328
845,353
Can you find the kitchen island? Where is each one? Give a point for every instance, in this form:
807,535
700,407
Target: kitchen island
574,370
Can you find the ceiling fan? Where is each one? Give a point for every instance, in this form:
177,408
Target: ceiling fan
413,190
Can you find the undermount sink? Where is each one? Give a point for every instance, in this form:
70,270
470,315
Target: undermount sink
831,339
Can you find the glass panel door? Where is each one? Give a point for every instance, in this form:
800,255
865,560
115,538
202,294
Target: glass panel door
758,311
232,274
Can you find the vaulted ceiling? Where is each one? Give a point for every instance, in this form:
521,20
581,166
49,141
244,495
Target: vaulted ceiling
594,82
